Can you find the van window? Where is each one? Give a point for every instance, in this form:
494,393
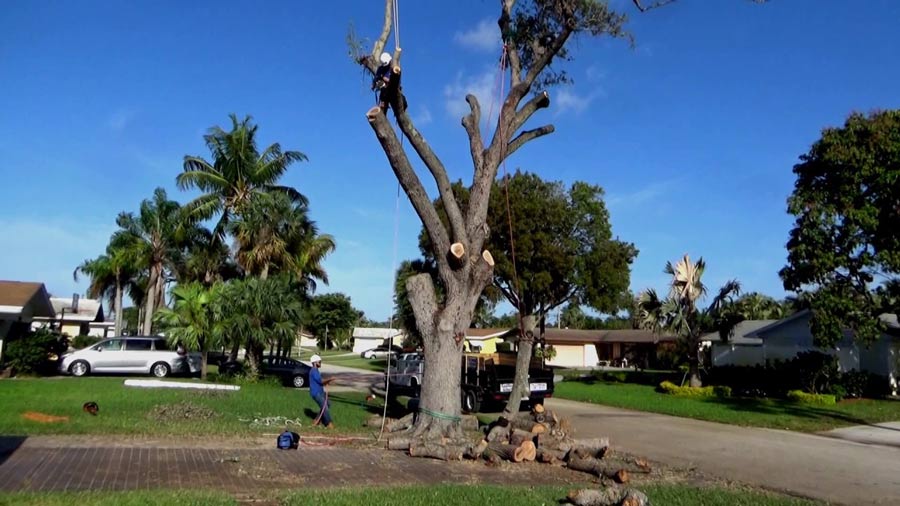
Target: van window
161,345
111,345
137,344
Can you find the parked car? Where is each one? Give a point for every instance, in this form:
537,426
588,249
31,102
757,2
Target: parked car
143,355
292,373
380,352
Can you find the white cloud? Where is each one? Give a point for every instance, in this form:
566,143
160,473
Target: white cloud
423,117
594,73
567,100
652,192
482,86
484,37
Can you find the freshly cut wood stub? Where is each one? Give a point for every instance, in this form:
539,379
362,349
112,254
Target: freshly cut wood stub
486,255
538,408
528,451
539,428
373,113
457,250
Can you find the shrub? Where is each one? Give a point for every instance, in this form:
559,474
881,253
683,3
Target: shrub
699,392
855,384
32,352
802,397
81,342
615,377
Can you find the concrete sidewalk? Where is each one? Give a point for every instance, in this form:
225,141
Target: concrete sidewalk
882,434
809,465
35,465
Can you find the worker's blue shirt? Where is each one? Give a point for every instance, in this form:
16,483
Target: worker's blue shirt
315,383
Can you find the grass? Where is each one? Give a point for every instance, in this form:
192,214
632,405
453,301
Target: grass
130,410
669,495
770,413
355,361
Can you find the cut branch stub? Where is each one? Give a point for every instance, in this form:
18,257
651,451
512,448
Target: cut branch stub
488,258
457,255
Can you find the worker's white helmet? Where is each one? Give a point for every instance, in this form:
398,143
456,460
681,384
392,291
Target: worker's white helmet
385,58
315,358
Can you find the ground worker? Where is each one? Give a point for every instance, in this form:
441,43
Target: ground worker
317,392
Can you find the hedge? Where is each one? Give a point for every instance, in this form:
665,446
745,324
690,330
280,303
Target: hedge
699,392
801,397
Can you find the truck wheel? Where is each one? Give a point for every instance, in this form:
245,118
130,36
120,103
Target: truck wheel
470,402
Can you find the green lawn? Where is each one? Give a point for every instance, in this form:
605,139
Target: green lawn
146,411
668,495
375,365
771,413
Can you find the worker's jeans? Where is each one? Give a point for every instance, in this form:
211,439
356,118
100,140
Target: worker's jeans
323,408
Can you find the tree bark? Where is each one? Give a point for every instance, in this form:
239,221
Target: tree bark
594,448
150,304
517,437
117,329
694,363
599,468
204,356
609,496
523,364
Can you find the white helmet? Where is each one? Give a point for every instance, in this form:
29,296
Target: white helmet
315,358
385,58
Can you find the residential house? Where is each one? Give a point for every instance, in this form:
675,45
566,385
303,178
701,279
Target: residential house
784,339
87,319
740,348
307,340
366,338
590,348
485,340
20,303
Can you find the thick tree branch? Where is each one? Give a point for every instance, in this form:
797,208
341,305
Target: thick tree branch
423,149
526,136
471,123
539,101
482,273
515,64
659,3
423,301
409,180
385,30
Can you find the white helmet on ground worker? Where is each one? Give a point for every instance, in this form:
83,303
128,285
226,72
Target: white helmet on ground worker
315,358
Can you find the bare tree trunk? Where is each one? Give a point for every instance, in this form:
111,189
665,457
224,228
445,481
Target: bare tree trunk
150,304
117,329
204,357
253,358
694,363
235,348
523,364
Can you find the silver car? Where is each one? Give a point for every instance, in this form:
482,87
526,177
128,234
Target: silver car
144,355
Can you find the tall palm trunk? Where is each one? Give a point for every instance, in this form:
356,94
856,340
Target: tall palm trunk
150,303
117,307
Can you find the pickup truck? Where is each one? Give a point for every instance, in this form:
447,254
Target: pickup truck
486,379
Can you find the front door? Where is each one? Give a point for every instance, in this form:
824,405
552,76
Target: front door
108,356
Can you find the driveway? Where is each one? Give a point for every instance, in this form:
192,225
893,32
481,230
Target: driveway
350,378
826,468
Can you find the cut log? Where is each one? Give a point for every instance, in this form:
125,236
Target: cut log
609,496
538,408
617,471
523,422
488,258
374,421
436,451
635,498
539,428
518,436
401,424
497,434
591,448
476,452
550,455
399,443
512,453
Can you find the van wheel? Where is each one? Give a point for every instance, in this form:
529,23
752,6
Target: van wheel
80,368
160,369
470,402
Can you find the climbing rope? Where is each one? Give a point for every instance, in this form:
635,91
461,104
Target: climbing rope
396,16
387,376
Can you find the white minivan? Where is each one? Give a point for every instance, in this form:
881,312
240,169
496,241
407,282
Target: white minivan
142,355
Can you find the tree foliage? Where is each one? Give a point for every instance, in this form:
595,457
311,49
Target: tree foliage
191,320
844,249
329,315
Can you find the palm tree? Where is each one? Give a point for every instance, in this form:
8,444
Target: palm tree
111,274
273,233
756,306
237,172
156,236
207,261
190,320
678,313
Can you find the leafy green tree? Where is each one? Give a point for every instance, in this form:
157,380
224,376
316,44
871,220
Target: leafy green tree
111,275
258,313
236,173
756,306
679,315
329,315
206,261
156,237
844,249
191,320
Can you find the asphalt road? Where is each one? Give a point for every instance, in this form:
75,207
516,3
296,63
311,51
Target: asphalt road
820,467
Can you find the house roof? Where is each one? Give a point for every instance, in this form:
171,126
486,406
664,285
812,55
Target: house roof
89,310
628,336
741,332
485,334
889,319
375,333
15,296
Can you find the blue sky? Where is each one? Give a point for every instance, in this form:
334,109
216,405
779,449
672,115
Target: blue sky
693,133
